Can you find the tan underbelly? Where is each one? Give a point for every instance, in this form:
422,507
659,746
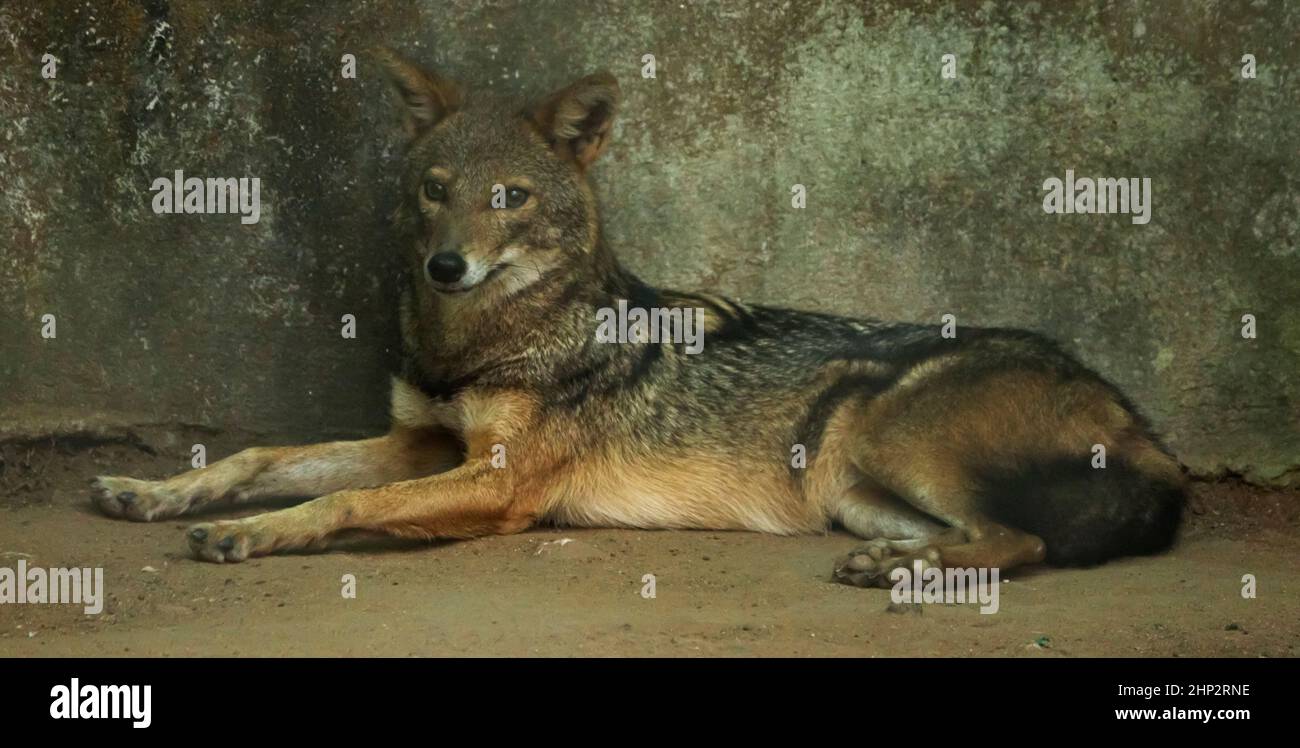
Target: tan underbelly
686,493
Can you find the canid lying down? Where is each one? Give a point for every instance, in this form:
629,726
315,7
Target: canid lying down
971,451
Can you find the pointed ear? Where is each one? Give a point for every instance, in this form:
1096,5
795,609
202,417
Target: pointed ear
427,97
578,119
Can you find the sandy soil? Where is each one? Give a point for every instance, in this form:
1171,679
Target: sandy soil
717,594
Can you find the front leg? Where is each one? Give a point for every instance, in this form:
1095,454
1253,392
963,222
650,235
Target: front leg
281,472
472,500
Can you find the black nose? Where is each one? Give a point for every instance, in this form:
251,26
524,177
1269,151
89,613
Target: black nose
446,267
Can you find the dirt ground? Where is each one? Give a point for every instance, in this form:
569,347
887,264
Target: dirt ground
716,593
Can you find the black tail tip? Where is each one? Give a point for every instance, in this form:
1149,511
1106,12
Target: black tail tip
1087,515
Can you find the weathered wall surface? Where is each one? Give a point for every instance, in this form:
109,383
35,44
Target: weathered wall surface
924,194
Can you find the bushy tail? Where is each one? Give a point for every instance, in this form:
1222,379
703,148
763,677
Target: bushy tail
1087,515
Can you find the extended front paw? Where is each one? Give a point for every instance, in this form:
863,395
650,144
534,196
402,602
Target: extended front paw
221,542
139,500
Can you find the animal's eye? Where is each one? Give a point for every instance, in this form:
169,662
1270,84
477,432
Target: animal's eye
515,197
435,190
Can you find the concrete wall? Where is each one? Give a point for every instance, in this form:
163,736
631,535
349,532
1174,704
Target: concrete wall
924,194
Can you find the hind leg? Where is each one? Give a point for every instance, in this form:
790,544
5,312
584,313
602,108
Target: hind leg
930,508
902,534
992,546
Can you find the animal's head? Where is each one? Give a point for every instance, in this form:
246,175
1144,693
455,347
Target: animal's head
495,195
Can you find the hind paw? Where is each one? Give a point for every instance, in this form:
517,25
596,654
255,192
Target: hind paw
874,564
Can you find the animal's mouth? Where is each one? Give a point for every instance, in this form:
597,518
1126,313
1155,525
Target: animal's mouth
458,288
